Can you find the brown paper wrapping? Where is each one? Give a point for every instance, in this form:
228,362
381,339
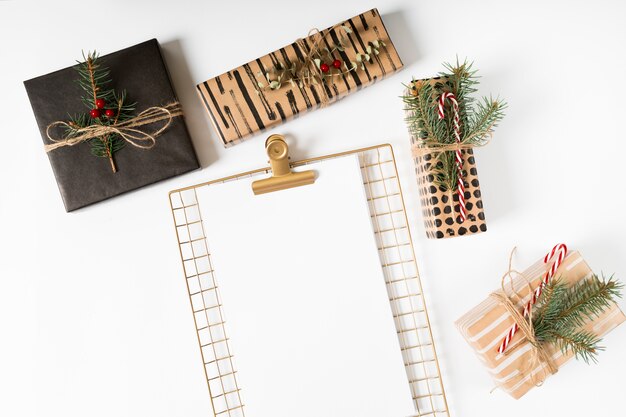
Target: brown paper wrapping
238,111
486,325
440,208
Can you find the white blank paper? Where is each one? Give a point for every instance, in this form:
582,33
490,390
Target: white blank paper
304,297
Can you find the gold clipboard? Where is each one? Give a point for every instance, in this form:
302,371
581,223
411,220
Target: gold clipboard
397,257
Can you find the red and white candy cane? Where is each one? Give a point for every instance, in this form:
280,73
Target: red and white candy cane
458,154
560,251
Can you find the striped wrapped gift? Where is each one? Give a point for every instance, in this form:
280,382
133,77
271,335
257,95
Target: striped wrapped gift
484,327
238,108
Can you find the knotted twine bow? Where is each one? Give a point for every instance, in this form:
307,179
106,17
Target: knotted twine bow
309,72
525,325
127,130
439,148
420,148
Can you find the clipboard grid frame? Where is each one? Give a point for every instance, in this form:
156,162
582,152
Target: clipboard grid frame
397,257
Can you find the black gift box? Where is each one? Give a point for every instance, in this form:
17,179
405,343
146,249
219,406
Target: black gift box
84,179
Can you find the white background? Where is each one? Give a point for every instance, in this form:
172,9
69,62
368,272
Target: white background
94,315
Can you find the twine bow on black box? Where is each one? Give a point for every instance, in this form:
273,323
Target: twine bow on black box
111,122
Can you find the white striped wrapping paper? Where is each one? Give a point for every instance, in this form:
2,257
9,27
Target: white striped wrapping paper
484,327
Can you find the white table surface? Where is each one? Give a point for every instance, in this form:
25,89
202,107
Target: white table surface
94,313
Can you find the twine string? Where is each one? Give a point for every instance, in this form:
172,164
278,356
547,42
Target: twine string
525,325
437,148
128,130
560,251
314,75
421,147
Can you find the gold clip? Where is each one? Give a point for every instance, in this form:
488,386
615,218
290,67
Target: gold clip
282,177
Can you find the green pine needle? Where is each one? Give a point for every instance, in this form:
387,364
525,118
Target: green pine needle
561,311
93,78
477,118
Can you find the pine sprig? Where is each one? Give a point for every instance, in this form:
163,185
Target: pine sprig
463,81
424,124
488,113
588,298
561,311
584,344
93,78
477,118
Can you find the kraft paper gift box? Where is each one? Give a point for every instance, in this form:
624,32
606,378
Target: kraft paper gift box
440,208
238,108
485,326
84,179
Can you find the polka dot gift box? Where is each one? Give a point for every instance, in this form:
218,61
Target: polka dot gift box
445,124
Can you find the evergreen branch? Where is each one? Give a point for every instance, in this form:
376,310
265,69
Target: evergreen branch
583,344
590,297
125,110
548,307
94,79
76,122
420,117
461,80
445,171
561,311
477,119
488,114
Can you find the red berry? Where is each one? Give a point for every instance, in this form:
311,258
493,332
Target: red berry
95,113
324,67
337,63
109,113
100,103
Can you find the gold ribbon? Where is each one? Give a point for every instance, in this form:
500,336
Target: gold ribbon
510,303
127,130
